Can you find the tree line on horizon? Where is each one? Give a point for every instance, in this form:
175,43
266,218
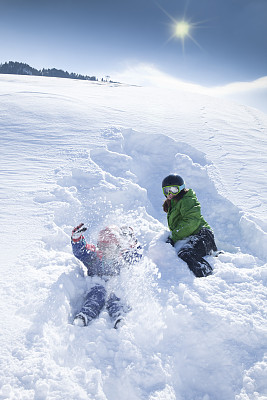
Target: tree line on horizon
18,68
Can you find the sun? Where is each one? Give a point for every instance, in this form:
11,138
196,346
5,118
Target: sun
182,29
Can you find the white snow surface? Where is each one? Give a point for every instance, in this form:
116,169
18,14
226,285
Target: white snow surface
74,151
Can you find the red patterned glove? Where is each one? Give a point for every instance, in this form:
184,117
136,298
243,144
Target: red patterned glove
77,233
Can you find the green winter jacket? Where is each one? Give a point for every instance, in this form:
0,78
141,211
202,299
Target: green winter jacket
184,216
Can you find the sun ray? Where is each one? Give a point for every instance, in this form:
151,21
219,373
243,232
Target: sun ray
166,13
195,41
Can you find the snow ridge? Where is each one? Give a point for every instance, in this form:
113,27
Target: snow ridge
185,338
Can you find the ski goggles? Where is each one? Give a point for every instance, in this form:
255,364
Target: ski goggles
172,189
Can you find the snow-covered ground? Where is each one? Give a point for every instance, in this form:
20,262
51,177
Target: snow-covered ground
74,151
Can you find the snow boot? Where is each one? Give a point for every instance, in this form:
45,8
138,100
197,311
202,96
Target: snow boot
119,322
81,320
216,253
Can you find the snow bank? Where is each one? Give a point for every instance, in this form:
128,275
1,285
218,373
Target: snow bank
185,338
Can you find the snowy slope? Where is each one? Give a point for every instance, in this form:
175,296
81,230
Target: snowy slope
77,151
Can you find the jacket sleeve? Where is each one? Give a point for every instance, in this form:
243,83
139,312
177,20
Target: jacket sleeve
133,255
188,221
84,253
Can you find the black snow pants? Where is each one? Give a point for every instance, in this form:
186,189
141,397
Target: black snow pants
197,247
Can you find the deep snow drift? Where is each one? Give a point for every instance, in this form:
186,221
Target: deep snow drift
77,151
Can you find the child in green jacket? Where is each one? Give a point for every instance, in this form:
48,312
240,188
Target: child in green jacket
185,221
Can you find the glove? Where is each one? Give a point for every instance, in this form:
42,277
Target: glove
77,233
169,240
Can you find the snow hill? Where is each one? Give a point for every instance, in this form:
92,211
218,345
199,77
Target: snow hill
75,151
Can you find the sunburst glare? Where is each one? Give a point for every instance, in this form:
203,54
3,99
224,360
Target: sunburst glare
182,29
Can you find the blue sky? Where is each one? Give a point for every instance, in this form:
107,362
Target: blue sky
227,43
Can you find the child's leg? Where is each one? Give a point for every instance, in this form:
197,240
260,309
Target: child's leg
93,304
116,309
195,249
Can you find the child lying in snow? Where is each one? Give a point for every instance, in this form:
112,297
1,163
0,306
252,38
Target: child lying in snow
185,221
116,246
